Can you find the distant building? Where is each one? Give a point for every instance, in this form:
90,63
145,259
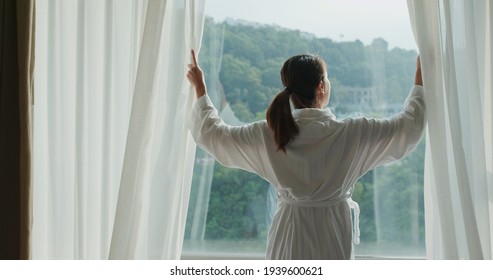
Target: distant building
360,96
363,101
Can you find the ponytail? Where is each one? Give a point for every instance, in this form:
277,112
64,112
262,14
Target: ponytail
300,74
281,121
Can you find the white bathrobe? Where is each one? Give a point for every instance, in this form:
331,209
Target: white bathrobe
315,177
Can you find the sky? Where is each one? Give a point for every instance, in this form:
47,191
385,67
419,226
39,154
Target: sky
339,20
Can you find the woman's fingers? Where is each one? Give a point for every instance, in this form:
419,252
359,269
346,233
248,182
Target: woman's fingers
194,59
195,76
418,80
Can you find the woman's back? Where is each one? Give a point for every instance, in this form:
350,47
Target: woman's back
312,159
315,176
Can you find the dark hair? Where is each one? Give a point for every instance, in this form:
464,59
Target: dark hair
300,75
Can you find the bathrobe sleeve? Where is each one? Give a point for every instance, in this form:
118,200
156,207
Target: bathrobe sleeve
232,146
381,141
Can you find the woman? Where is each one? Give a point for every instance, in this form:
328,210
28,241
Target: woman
311,158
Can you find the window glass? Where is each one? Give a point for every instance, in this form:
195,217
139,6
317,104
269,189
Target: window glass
371,71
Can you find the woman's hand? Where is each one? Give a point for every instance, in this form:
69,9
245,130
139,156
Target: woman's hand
196,77
418,80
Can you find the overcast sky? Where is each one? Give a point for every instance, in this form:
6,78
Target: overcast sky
340,20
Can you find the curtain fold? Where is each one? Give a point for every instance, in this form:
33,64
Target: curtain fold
454,39
111,140
16,69
25,46
158,161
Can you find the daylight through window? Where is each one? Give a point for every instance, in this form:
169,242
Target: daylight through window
230,210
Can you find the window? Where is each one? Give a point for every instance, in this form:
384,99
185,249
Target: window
230,210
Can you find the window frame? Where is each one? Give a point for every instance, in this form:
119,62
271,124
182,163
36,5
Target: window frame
261,256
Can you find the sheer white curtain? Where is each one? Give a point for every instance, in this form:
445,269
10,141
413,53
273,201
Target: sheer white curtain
112,156
455,41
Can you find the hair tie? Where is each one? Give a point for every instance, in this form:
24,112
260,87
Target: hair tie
288,89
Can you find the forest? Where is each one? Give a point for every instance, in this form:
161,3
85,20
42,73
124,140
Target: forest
241,62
